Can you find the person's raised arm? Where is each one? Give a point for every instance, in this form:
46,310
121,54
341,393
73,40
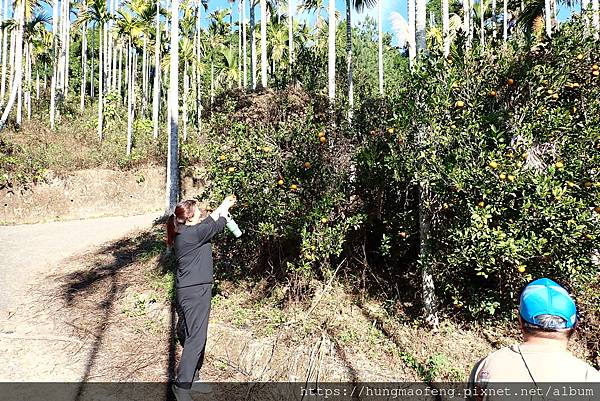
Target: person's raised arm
215,222
223,208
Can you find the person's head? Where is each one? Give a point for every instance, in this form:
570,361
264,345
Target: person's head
186,212
546,310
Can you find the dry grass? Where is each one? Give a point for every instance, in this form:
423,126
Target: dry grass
117,300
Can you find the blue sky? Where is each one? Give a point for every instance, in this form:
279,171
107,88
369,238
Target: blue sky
388,7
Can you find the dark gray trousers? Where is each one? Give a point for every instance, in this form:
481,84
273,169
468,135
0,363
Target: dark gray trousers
194,307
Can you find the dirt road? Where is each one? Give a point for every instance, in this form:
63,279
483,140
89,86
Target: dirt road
30,347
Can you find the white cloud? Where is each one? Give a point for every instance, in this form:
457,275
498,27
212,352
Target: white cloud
399,28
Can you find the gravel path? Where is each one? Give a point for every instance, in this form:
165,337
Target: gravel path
30,348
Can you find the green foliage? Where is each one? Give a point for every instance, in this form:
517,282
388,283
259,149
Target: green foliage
289,180
509,148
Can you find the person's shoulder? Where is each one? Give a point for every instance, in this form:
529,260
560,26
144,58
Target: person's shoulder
508,351
591,373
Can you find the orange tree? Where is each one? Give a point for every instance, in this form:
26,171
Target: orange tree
289,170
511,154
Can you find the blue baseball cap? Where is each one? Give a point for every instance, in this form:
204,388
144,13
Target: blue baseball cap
545,297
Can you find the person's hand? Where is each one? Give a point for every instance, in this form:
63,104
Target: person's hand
229,202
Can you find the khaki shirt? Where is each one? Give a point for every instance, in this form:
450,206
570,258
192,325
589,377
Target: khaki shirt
526,366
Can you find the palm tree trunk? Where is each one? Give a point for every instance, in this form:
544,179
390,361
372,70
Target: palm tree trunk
4,55
429,298
380,46
595,18
100,81
239,44
424,197
505,21
127,74
197,69
12,61
291,5
446,27
92,68
348,59
156,92
494,30
106,59
331,51
28,55
67,46
467,20
186,88
145,75
412,41
548,18
37,85
584,11
130,84
212,81
263,43
120,72
54,64
253,58
19,17
420,22
245,44
173,151
482,26
83,65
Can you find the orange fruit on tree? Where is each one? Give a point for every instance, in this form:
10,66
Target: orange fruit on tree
321,134
280,182
580,56
596,73
294,187
502,176
402,234
575,85
550,91
324,220
493,164
455,85
521,268
459,104
492,93
559,165
511,178
481,204
595,67
390,130
323,139
231,169
222,157
555,96
307,165
510,81
597,209
266,149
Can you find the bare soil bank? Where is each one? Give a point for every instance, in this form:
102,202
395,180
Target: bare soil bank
88,194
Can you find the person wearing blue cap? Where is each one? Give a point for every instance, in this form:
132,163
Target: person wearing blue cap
547,317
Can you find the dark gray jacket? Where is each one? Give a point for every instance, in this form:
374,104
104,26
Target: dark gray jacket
193,252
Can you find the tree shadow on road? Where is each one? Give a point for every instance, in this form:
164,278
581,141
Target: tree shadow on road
94,295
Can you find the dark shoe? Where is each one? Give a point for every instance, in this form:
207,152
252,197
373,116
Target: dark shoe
182,394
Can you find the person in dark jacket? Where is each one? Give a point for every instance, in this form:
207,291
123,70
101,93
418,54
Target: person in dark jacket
191,241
